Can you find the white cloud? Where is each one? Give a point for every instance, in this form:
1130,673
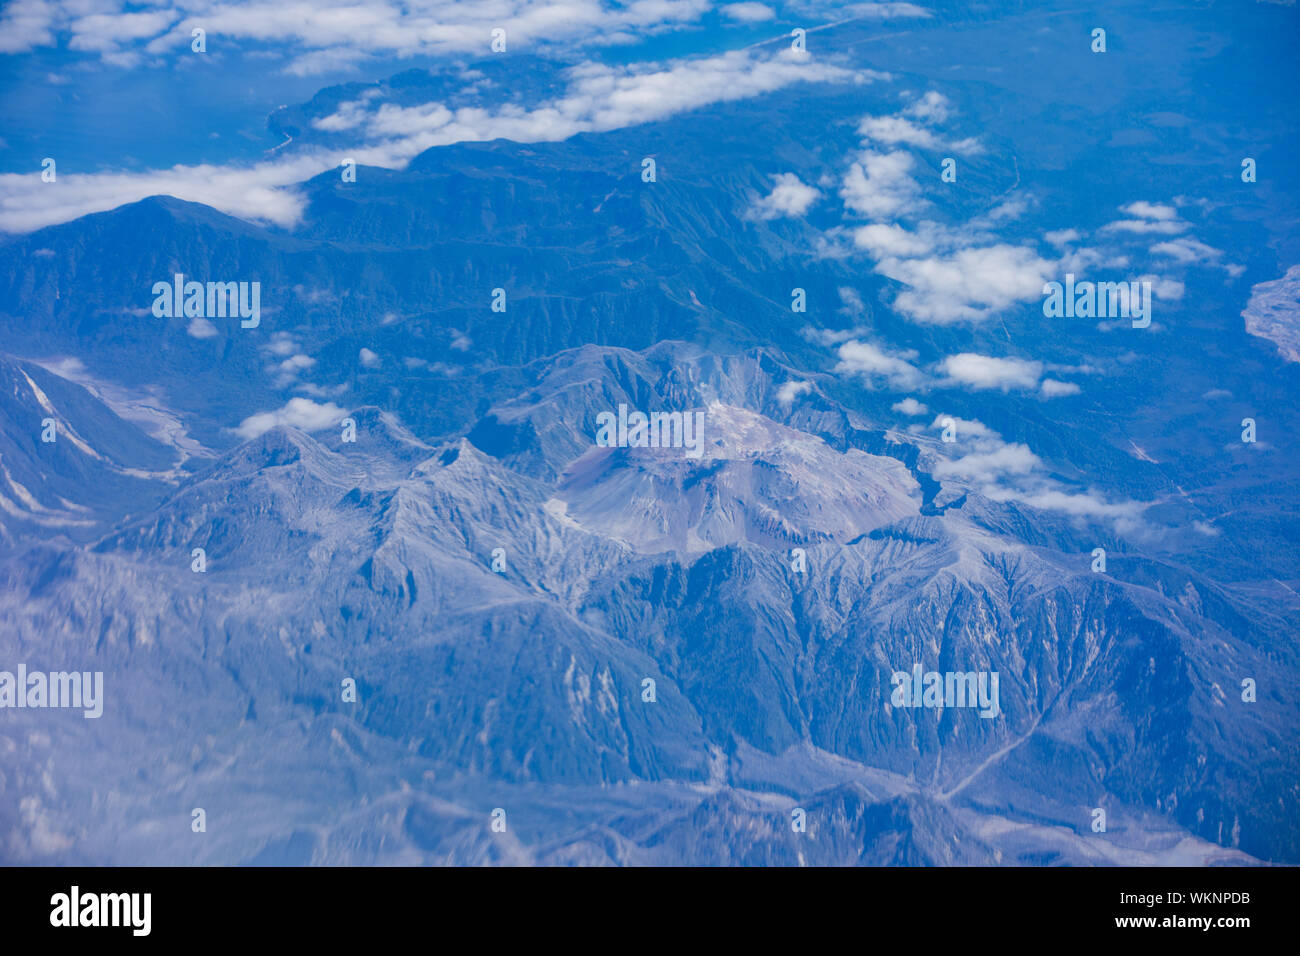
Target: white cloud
339,31
887,11
968,285
368,358
108,33
982,372
879,185
1186,251
1008,209
747,12
909,406
598,98
262,192
789,391
1011,472
201,328
892,130
295,364
853,304
1167,290
347,115
968,428
1145,226
281,344
885,240
790,197
933,107
866,359
829,337
1063,237
27,24
1084,505
1150,210
867,11
1052,388
1012,459
297,413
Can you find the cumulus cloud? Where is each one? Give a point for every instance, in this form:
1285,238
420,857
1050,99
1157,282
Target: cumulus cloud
910,127
1150,210
1063,237
969,428
950,274
909,406
887,240
790,197
747,12
893,130
201,328
933,107
27,24
982,372
880,185
297,413
1150,219
968,285
1167,290
1186,251
288,360
873,362
368,358
295,364
281,344
789,391
1052,388
1012,459
852,303
110,34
